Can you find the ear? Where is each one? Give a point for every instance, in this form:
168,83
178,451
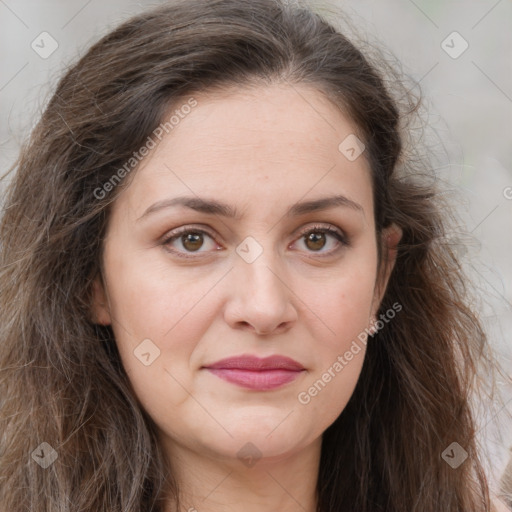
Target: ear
99,308
390,237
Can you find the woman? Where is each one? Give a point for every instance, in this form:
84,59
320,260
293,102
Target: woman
224,281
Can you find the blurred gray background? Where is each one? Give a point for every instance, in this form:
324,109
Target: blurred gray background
459,51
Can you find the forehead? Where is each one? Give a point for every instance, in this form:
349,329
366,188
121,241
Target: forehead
275,120
273,141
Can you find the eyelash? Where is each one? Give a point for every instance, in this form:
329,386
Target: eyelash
342,239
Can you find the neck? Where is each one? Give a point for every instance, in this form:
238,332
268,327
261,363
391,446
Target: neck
208,483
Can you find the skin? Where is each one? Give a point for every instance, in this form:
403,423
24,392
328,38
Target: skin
260,150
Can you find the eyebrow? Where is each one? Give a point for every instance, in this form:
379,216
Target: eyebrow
214,207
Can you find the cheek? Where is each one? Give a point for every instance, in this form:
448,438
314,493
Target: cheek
150,299
342,305
163,380
328,390
347,312
344,309
158,317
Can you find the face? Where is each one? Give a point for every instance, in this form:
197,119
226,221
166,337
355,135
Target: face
274,272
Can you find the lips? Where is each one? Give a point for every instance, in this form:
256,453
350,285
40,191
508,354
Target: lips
256,364
254,373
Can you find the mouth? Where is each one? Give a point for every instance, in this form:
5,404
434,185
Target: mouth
251,372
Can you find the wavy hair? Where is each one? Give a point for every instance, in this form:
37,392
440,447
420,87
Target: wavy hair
61,379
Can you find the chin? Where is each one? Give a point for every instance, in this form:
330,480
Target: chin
260,442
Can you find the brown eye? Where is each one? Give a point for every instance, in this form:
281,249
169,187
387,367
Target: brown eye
185,242
192,241
323,240
315,240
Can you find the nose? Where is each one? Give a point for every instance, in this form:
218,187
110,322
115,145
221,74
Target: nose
260,297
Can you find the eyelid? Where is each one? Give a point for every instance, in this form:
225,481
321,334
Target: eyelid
327,228
199,228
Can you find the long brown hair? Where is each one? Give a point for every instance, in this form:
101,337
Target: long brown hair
61,379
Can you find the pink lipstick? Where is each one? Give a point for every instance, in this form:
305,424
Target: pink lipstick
254,373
